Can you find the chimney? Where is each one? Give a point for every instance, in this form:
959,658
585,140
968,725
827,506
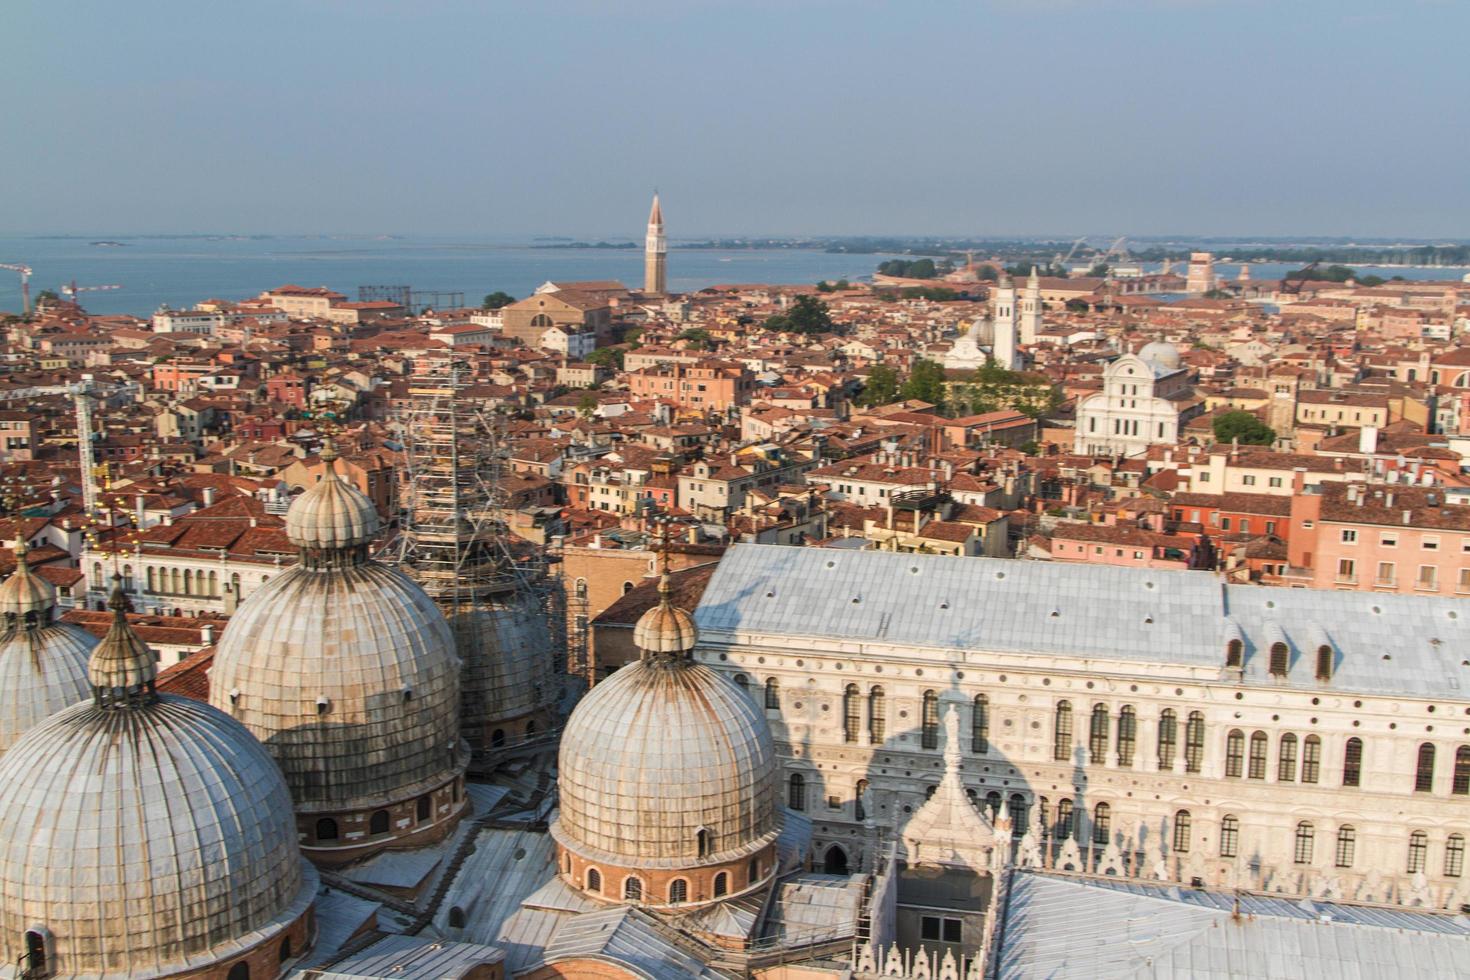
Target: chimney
1368,440
206,634
1352,495
209,496
1388,499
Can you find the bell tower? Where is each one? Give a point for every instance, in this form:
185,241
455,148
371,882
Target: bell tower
655,252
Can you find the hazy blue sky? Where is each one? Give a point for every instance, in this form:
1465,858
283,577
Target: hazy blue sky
751,116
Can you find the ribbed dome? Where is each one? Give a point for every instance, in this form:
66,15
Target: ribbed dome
43,663
663,748
332,514
25,591
665,629
506,647
349,676
149,835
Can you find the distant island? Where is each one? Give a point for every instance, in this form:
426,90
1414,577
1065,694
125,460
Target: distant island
111,244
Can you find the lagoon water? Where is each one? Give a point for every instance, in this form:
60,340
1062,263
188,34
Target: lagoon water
182,271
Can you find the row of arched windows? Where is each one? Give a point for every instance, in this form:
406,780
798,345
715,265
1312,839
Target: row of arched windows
678,888
190,582
1100,730
379,822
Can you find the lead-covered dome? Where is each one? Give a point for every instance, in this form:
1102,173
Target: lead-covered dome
144,834
343,667
1162,353
43,663
667,764
508,672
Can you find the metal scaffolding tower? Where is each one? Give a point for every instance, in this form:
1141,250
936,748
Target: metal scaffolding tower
495,588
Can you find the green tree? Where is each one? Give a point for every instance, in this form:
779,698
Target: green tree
698,338
925,383
1242,425
881,387
987,273
497,299
587,405
43,297
1099,270
608,357
807,315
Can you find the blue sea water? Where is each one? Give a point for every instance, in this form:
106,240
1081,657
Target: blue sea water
154,271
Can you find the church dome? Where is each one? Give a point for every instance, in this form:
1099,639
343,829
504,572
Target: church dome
1162,353
667,764
505,644
332,514
144,834
43,663
343,667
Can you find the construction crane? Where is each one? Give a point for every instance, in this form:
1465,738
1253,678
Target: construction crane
1116,250
1292,282
1063,260
71,289
25,284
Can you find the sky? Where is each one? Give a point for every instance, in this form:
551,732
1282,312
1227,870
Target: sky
751,117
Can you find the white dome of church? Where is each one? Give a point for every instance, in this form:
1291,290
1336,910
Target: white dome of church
347,671
668,765
43,663
1162,353
146,835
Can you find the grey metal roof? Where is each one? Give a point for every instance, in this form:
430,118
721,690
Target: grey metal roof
812,908
1144,616
505,867
630,938
1058,927
413,958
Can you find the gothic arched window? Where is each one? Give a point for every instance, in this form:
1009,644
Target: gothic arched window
1352,762
1062,732
929,725
1183,824
1424,771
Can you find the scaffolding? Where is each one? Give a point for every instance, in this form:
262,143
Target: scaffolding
415,301
455,540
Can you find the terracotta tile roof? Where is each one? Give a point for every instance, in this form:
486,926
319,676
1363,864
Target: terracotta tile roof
190,676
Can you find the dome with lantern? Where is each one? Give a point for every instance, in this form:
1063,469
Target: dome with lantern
346,670
146,834
667,768
43,662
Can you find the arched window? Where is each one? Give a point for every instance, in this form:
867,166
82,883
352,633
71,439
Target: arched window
1235,653
1305,837
1194,742
541,320
678,891
152,586
980,724
581,588
1168,737
1229,836
36,965
1064,819
627,587
851,713
424,808
1127,735
240,971
1324,662
834,862
1454,856
796,792
1234,753
188,581
722,884
1424,772
1286,759
1259,746
378,822
497,738
213,592
173,574
326,829
1183,824
992,804
1280,659
702,843
285,951
1062,732
753,871
773,694
1352,762
456,918
127,576
877,716
929,724
1347,846
859,792
1418,851
1097,741
594,880
742,682
1461,786
1102,824
633,888
1018,815
1311,758
530,728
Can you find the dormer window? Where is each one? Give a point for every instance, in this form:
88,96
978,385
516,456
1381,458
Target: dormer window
1280,659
